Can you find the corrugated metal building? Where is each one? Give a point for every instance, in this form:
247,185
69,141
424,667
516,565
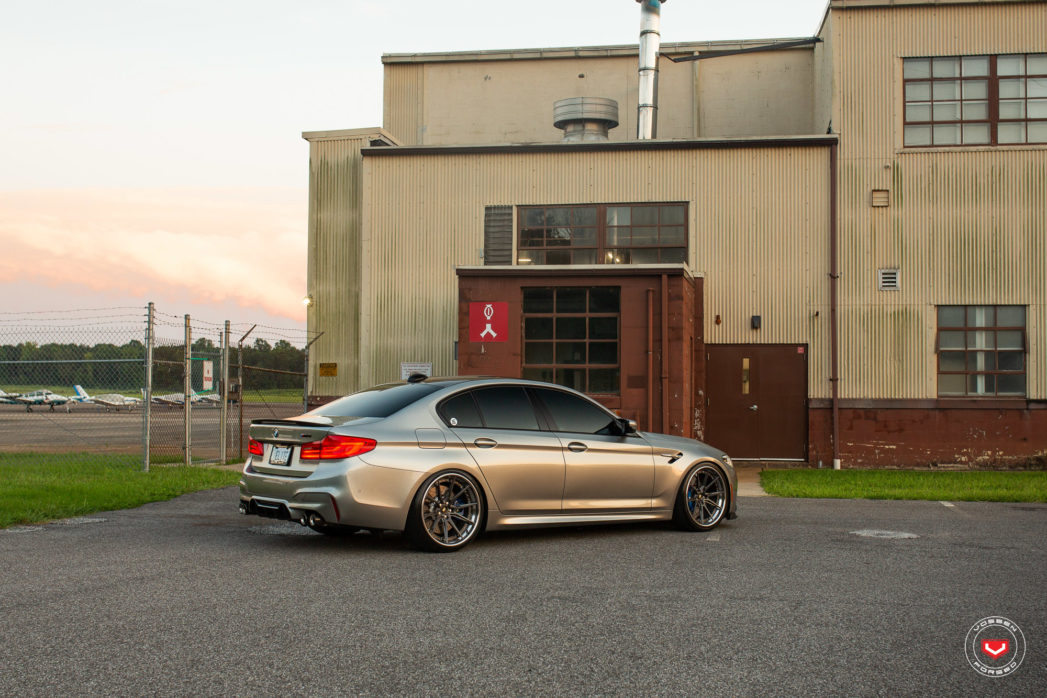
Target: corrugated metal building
833,249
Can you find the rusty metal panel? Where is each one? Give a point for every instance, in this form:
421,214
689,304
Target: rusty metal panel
758,226
963,225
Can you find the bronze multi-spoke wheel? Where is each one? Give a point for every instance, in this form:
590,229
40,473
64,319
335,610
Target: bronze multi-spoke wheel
702,500
446,513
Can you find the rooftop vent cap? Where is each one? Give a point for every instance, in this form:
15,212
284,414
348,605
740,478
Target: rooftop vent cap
585,118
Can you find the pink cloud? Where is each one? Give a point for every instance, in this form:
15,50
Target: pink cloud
228,247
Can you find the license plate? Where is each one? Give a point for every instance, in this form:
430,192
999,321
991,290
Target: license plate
280,455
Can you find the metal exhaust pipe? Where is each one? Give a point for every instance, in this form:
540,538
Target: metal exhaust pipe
647,93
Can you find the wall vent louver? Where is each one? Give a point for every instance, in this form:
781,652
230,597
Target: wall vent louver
881,197
889,279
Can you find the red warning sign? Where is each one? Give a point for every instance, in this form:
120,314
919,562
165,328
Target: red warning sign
488,322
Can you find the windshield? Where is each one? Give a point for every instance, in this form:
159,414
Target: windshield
379,401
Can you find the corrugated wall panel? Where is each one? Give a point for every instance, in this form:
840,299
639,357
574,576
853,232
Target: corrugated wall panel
335,197
964,226
758,224
403,102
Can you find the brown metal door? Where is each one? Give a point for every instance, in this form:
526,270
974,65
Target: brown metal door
757,400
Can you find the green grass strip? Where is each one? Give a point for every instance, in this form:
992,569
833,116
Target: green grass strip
967,486
41,487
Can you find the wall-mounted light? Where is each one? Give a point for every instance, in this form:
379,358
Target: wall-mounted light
308,300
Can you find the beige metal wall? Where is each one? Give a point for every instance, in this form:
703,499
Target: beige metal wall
758,223
964,226
756,94
333,276
487,98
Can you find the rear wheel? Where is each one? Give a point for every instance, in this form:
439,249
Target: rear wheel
446,512
702,499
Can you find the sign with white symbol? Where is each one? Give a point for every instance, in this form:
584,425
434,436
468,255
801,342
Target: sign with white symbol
407,368
488,322
209,375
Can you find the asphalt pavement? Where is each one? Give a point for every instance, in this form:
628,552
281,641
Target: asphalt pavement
187,597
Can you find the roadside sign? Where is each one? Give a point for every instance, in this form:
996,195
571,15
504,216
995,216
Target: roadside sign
209,375
489,322
409,367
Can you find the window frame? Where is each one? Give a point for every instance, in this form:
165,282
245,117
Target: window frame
995,328
600,248
587,315
992,99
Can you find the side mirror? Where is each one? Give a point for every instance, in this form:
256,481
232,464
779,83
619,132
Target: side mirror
628,426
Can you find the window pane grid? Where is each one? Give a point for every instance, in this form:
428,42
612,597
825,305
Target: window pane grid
975,100
981,351
603,234
571,337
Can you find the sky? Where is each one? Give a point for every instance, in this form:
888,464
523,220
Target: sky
152,151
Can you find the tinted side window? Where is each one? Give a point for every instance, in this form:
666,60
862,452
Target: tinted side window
506,408
572,413
460,411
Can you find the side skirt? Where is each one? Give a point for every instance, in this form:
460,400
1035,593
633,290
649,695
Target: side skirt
497,520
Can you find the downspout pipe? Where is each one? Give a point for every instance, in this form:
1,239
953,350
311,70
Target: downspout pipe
834,325
647,93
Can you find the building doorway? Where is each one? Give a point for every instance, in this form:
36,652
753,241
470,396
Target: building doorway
756,400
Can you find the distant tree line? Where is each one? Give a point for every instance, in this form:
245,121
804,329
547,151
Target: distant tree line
94,367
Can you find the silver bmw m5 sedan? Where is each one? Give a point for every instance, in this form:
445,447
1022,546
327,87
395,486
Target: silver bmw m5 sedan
443,459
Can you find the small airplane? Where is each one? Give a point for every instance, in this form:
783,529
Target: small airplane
9,398
42,397
111,401
178,399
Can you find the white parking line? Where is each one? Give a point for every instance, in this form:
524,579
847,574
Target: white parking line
948,504
713,537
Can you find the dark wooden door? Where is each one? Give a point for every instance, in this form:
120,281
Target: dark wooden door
756,400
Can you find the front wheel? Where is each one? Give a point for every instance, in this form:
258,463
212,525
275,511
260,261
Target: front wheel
702,499
446,512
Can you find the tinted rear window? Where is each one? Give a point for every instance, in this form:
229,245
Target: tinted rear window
460,411
506,408
380,401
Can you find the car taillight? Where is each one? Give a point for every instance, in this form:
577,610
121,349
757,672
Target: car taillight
255,448
335,447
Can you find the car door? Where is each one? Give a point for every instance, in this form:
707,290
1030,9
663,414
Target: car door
606,470
523,465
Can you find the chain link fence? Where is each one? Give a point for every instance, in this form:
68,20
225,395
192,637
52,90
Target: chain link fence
140,385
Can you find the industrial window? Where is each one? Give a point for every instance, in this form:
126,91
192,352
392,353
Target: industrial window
981,350
975,100
603,234
571,337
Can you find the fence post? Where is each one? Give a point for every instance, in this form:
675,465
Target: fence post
147,393
241,392
224,438
305,381
187,387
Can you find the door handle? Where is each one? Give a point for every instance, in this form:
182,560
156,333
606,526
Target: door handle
484,442
754,408
577,447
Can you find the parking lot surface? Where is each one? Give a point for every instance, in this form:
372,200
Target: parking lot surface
188,597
